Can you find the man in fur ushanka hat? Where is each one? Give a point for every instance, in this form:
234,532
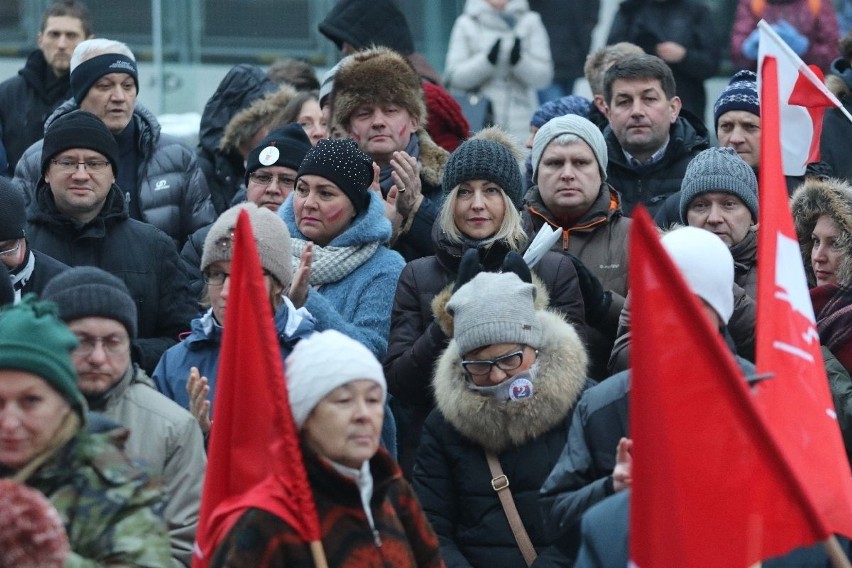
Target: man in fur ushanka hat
378,101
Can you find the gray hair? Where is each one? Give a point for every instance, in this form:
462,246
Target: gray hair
89,48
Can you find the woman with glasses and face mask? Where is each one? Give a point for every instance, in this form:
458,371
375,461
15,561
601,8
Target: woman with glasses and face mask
187,371
504,390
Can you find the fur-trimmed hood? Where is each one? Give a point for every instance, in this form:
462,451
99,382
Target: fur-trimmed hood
494,425
264,112
433,158
813,199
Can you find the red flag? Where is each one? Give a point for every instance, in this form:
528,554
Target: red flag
802,103
710,485
254,459
796,401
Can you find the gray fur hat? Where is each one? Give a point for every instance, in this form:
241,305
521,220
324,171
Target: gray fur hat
581,127
494,308
270,235
490,155
719,170
88,291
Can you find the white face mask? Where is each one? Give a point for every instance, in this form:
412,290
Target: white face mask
519,387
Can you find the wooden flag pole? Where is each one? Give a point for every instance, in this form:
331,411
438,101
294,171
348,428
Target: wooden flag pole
318,554
835,553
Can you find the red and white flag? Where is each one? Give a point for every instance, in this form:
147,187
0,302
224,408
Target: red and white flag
796,402
803,99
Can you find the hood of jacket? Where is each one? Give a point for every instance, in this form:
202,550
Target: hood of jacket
240,87
364,23
34,72
687,134
813,199
147,125
369,226
604,209
497,425
484,13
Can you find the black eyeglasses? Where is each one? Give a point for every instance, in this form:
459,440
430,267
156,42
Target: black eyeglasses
69,165
508,362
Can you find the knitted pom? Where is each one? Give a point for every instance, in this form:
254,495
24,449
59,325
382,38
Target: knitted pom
31,532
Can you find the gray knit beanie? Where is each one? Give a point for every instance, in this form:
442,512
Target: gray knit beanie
486,157
581,127
88,291
719,170
494,308
270,235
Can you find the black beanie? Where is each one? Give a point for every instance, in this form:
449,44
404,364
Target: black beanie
341,162
79,129
285,146
88,291
13,212
86,73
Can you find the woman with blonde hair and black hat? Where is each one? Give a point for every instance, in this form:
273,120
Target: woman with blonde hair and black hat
112,511
368,514
505,388
483,190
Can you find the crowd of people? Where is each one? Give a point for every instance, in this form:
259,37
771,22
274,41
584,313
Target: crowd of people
452,312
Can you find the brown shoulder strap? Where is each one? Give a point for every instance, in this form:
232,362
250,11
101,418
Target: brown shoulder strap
500,484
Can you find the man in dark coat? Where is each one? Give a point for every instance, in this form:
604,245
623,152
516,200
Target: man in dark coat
27,99
649,143
79,217
28,269
159,176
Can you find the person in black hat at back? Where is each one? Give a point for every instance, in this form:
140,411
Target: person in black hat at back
29,270
79,216
271,169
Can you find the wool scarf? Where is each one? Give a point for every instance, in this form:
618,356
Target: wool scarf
332,264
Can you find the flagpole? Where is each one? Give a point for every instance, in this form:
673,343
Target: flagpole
835,553
318,554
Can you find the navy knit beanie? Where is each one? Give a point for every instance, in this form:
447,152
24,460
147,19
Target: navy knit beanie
740,94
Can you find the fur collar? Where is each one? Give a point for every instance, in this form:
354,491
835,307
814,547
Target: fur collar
433,158
497,426
813,199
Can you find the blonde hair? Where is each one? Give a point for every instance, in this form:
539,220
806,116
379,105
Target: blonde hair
511,230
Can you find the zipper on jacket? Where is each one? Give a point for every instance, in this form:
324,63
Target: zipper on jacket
377,539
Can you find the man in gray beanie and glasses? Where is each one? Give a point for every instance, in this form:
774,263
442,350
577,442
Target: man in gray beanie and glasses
569,161
164,438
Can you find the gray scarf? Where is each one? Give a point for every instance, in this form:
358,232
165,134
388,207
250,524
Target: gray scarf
332,264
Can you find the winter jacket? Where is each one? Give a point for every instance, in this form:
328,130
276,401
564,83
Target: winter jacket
583,474
172,191
416,339
224,170
451,475
26,102
812,200
402,537
599,240
689,23
165,441
651,187
202,346
820,28
44,269
512,89
569,27
359,305
111,510
138,253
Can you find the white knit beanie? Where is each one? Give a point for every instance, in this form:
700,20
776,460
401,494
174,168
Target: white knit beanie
323,362
570,124
706,264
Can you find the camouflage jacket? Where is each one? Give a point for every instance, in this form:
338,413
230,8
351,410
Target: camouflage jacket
112,512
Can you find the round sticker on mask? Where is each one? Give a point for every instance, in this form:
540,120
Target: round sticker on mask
520,389
269,156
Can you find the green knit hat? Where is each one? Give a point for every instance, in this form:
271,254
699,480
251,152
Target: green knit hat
35,340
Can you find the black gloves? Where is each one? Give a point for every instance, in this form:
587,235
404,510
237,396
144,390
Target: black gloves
495,51
469,266
596,299
515,55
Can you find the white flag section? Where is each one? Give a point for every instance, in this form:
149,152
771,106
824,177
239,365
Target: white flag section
544,239
802,96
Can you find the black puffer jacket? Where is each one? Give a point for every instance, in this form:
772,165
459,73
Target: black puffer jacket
26,102
141,255
687,137
172,192
224,171
416,340
686,22
452,477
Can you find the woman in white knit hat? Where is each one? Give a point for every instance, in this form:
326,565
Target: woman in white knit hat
504,388
368,514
